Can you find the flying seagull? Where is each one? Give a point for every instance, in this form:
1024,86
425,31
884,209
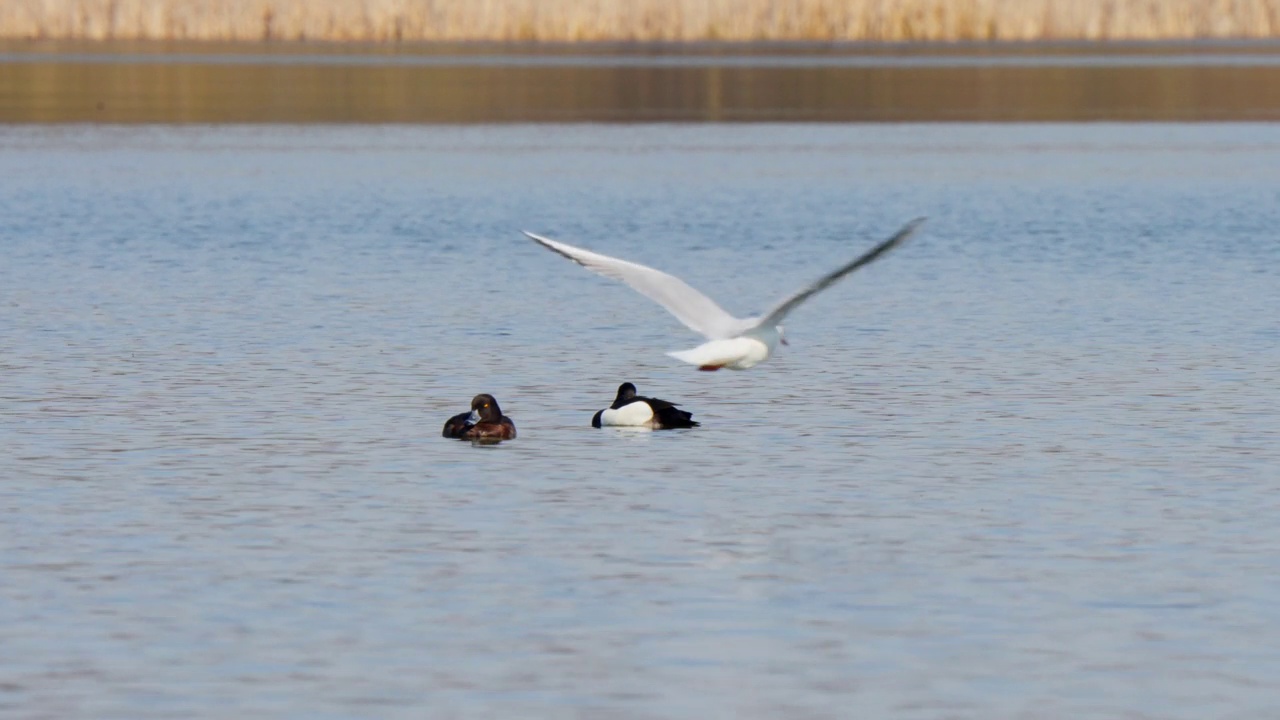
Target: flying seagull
734,343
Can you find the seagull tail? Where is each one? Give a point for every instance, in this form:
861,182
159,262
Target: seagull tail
688,356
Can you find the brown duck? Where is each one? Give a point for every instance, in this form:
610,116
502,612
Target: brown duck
484,422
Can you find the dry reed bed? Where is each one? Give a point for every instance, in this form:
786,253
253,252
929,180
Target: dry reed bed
639,20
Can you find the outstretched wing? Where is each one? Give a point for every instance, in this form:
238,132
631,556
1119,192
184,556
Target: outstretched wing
776,315
697,311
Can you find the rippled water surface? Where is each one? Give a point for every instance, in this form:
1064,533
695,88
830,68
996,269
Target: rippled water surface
1028,466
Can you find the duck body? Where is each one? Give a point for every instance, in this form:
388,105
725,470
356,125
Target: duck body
484,423
632,410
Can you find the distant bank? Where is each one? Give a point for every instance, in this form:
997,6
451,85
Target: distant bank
639,20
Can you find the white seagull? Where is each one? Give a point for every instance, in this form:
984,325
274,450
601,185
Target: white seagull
734,343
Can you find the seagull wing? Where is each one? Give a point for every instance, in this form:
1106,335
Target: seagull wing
776,315
697,311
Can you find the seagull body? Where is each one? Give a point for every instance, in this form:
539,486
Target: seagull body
734,343
747,350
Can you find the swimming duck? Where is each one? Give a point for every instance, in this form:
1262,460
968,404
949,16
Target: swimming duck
631,410
484,422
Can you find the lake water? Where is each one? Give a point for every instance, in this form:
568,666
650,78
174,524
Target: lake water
1028,466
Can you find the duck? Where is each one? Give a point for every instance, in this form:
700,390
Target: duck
485,422
631,410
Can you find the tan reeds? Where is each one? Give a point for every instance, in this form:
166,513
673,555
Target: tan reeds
639,20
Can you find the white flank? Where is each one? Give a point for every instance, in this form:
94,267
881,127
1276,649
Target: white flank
636,414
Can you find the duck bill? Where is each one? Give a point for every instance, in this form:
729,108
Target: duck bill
474,418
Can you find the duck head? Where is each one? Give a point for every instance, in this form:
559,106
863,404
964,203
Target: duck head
626,391
484,407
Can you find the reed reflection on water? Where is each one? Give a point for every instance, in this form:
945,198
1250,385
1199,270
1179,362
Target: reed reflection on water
137,83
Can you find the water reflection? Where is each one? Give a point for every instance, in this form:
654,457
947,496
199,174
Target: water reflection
252,83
